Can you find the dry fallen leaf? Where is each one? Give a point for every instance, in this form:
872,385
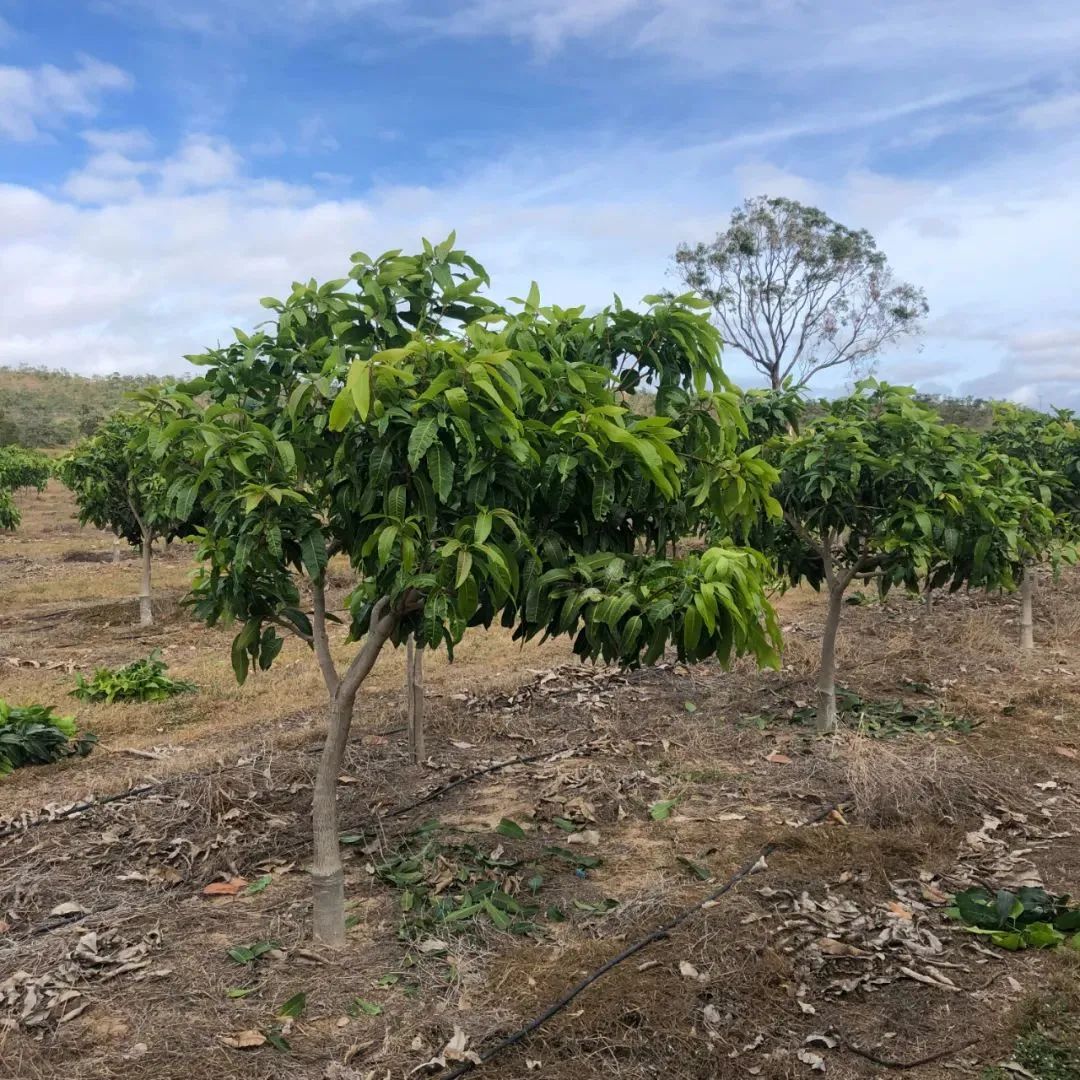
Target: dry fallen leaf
815,1061
899,911
1065,751
588,837
70,908
688,971
225,888
934,895
831,947
244,1040
779,759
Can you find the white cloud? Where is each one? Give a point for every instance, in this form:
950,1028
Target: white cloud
183,246
34,100
1053,113
121,141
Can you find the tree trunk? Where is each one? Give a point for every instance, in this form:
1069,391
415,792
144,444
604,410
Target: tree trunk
327,875
146,614
414,699
826,694
1027,620
116,550
928,599
328,879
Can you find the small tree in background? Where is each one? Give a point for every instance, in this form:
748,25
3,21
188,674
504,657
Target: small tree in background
473,466
798,293
1046,451
880,488
117,488
19,469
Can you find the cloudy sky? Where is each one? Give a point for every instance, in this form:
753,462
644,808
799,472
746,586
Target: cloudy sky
163,164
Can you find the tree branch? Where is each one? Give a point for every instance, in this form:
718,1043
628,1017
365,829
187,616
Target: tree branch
321,641
383,623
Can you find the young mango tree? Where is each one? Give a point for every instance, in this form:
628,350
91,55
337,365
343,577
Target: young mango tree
117,488
1045,449
879,488
474,466
19,469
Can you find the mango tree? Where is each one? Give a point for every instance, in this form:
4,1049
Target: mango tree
19,469
879,488
474,466
117,488
1045,448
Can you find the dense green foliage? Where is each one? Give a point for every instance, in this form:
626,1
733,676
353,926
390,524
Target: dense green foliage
41,407
35,735
115,483
1030,917
880,486
1045,449
473,464
19,469
143,680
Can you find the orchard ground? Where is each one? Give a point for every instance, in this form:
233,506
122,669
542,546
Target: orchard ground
644,792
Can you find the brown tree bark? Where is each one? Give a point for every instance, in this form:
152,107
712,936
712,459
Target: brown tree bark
414,699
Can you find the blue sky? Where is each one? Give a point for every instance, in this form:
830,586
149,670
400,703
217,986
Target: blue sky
162,165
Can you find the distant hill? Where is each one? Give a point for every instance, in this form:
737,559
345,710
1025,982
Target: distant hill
43,408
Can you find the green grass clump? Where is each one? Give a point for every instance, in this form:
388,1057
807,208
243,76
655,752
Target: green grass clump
34,735
144,680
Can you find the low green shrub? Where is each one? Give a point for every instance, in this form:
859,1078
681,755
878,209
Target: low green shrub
144,680
34,735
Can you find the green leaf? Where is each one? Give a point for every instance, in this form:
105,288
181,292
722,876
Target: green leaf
702,873
482,528
240,991
294,1007
313,554
510,828
341,411
259,885
659,811
421,438
360,1007
441,470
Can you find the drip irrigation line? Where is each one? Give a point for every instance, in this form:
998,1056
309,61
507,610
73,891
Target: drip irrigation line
659,934
891,1063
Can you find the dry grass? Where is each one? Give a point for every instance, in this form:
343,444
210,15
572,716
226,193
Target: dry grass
912,783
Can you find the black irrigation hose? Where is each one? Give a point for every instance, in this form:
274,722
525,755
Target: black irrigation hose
658,934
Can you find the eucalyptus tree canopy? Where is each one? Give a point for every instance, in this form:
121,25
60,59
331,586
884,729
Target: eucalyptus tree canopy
798,293
474,466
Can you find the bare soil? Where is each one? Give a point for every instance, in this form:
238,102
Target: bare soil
835,952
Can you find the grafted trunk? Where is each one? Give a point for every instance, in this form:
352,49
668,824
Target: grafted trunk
327,874
1027,617
826,693
414,699
146,614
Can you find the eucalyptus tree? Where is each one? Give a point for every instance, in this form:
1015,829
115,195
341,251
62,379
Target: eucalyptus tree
798,293
117,487
879,488
474,466
1045,448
